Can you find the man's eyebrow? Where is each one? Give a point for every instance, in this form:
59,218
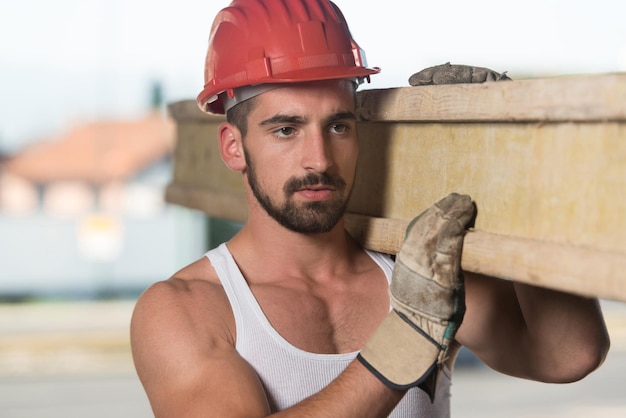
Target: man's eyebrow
286,119
301,120
341,116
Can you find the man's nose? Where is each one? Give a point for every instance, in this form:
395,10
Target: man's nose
316,153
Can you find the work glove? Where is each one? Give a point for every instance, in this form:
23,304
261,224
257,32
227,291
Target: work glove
427,297
454,74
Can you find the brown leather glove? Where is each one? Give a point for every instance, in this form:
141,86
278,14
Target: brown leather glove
427,296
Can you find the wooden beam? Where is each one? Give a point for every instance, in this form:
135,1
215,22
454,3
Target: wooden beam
560,99
220,204
561,182
564,267
544,160
568,268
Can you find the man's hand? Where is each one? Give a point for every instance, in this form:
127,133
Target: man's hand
454,74
427,296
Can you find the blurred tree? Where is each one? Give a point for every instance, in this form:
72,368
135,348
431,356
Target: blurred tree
156,96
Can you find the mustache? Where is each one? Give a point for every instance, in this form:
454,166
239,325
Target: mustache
312,179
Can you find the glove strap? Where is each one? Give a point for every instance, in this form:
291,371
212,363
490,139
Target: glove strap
402,356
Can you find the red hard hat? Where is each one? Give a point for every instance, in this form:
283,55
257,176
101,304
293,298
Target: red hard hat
278,41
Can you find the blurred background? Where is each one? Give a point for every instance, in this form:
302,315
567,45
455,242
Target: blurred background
86,149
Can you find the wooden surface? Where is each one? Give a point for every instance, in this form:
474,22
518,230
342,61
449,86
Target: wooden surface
565,267
563,182
562,99
544,160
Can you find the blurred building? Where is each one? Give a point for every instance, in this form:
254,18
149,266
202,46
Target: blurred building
83,214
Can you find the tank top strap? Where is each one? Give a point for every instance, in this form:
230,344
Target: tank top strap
242,301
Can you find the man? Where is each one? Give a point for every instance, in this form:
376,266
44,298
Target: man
291,317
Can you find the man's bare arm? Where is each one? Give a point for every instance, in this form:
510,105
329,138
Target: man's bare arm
184,356
188,365
532,332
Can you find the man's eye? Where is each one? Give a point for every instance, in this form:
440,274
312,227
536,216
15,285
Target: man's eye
339,128
285,131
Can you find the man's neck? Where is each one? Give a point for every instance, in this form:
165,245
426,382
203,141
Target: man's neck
272,247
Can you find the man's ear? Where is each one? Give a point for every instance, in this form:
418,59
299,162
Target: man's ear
231,146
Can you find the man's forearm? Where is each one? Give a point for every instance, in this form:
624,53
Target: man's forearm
566,332
356,393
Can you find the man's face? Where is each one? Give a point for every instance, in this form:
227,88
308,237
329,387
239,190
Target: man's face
301,151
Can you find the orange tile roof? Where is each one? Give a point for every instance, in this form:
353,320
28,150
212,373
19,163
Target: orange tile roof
97,152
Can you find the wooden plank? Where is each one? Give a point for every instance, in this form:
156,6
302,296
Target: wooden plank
569,268
564,267
574,98
562,182
545,161
219,204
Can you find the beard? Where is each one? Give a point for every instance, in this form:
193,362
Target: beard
308,217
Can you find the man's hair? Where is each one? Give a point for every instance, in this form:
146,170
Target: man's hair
238,115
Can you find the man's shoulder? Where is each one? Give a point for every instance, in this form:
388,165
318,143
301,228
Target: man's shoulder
180,328
192,298
200,271
197,280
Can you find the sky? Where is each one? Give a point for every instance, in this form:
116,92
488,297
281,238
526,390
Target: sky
70,61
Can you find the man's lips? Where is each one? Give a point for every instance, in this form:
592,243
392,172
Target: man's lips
317,187
316,192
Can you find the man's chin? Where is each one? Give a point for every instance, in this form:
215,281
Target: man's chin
311,223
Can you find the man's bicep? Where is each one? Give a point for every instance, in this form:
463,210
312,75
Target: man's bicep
190,370
211,386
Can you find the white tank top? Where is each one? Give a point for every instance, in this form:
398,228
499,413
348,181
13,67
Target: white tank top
289,374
